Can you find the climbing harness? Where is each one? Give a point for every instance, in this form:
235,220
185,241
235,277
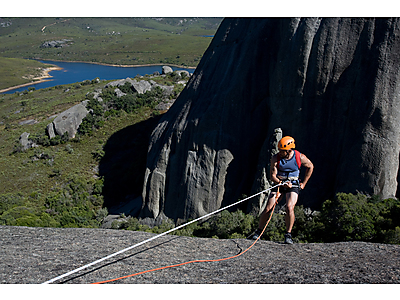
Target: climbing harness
165,233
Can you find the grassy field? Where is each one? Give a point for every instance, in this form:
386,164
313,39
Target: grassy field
16,71
110,40
117,41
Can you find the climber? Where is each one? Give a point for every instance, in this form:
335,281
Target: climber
285,169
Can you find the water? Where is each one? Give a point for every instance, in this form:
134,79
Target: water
77,72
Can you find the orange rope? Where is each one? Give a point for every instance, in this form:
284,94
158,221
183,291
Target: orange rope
200,260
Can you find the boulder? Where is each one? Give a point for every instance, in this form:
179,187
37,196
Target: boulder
28,122
167,89
55,44
116,83
141,87
331,83
119,93
50,130
96,95
184,72
25,142
68,121
166,70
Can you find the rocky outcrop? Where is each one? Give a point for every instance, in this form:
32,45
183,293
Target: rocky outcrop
331,83
25,142
119,93
36,255
68,121
55,44
166,70
139,87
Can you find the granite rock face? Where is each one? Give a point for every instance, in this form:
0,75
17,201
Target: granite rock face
68,121
331,83
37,255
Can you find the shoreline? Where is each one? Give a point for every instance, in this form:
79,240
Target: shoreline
114,65
45,72
43,78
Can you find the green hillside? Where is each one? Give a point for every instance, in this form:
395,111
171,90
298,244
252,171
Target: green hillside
16,71
59,183
126,41
115,41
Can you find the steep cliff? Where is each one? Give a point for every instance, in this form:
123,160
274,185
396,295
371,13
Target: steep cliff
331,83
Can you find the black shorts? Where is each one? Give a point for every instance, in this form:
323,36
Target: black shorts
295,188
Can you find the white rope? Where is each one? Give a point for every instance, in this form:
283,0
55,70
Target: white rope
154,237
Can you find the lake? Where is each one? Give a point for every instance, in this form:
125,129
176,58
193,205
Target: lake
77,72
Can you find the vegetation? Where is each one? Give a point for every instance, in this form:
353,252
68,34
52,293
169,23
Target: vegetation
70,183
116,41
346,218
16,71
59,183
75,203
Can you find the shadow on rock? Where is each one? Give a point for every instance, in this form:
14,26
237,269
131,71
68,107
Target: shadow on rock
123,166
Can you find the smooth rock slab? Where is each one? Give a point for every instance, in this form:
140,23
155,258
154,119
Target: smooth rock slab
36,255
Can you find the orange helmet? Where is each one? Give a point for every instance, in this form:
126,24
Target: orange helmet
286,143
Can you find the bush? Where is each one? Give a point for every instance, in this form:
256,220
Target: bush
346,218
226,225
392,236
275,230
349,218
359,218
8,201
41,139
90,123
27,216
308,226
78,203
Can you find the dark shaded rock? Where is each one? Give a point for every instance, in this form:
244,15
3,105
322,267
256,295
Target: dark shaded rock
331,83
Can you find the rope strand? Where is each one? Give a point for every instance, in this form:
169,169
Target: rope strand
154,237
195,261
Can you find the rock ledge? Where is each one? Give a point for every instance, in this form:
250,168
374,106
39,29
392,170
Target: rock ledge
35,255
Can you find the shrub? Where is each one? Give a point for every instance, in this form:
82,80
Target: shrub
126,88
95,107
392,236
90,123
8,201
78,203
308,227
41,139
226,224
101,214
275,230
349,218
